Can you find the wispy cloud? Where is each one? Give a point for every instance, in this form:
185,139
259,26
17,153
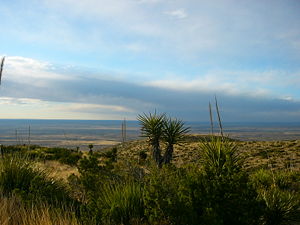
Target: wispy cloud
22,69
179,13
19,101
37,108
92,108
266,84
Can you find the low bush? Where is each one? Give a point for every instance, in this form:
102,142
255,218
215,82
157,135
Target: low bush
121,203
66,156
166,197
280,193
281,206
18,175
10,149
226,186
111,155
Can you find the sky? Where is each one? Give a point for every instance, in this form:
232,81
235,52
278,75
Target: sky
115,59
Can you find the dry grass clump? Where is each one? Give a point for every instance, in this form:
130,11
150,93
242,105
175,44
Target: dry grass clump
58,170
14,212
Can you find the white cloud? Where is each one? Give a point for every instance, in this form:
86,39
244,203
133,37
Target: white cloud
95,96
18,61
179,13
226,28
22,69
91,108
209,27
205,85
287,98
19,101
37,108
269,84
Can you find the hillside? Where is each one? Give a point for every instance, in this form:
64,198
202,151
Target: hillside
122,185
257,154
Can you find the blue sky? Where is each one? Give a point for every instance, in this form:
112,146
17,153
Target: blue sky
110,59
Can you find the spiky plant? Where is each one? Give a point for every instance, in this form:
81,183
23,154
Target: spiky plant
280,205
152,127
19,174
220,156
174,132
122,203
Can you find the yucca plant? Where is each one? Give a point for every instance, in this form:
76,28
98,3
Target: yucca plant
152,127
220,156
279,192
19,175
173,133
121,203
157,127
280,205
16,172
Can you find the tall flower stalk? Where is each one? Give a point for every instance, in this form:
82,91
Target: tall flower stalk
1,68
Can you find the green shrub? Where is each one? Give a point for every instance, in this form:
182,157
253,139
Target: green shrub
193,197
111,155
121,203
262,179
279,190
230,200
71,159
35,154
220,156
93,174
226,186
167,198
90,173
66,156
18,175
283,179
281,206
10,149
143,155
109,197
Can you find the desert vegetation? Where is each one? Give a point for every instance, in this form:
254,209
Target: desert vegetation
158,128
170,177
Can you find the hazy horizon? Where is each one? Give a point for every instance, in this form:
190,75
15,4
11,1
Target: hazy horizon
297,123
73,133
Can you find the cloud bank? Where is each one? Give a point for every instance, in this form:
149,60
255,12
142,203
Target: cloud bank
50,90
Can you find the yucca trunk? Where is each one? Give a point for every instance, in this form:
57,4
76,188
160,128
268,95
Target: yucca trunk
168,154
156,153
